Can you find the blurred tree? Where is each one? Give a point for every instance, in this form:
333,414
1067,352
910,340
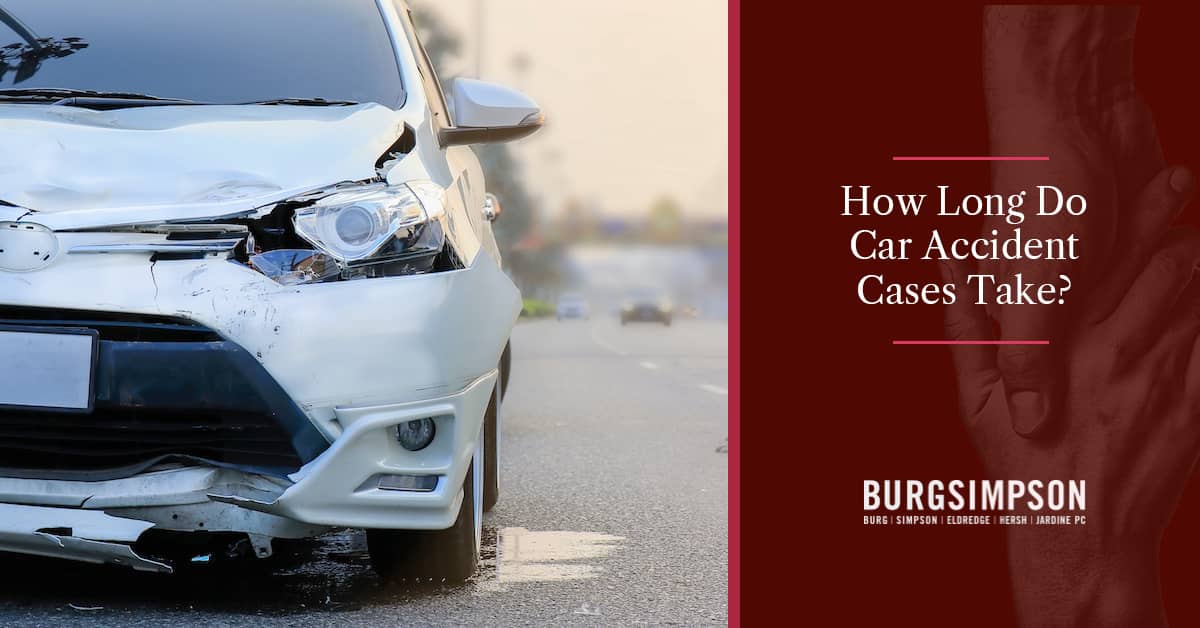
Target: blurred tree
666,220
578,222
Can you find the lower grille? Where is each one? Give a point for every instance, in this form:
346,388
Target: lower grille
165,388
112,438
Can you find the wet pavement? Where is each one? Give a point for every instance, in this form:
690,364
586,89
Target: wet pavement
613,511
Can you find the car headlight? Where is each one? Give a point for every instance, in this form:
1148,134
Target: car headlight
375,224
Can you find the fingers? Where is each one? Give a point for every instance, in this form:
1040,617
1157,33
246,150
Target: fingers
1030,373
1148,220
974,365
1142,316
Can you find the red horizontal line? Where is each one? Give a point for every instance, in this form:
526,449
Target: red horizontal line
978,158
970,342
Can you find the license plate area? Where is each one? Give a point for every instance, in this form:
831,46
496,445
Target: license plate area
48,368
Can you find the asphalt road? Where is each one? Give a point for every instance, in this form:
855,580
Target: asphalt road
613,511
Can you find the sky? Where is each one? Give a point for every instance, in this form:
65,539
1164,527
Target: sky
635,94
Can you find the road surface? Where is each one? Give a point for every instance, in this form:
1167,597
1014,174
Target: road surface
613,511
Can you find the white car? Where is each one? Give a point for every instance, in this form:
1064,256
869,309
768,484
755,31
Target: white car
248,283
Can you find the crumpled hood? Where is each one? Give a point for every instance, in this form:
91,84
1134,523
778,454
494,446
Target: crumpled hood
135,162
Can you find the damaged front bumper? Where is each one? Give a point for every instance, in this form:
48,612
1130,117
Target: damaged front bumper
334,367
103,521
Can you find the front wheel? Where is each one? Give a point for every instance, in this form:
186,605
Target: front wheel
435,555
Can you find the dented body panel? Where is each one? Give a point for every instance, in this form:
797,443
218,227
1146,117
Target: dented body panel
102,168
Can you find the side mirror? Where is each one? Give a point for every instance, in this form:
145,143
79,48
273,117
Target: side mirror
485,112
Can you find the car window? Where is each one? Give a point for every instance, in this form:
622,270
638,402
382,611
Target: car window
429,78
220,51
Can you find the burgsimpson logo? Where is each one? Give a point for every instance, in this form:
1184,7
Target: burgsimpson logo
1021,502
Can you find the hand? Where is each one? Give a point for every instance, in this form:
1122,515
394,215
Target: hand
1113,399
1128,425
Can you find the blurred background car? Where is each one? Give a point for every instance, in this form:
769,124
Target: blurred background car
572,305
645,306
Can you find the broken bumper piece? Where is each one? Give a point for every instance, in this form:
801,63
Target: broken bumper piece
84,535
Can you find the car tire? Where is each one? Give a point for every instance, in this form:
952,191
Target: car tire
491,452
449,555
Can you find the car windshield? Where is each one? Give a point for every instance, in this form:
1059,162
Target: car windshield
212,51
